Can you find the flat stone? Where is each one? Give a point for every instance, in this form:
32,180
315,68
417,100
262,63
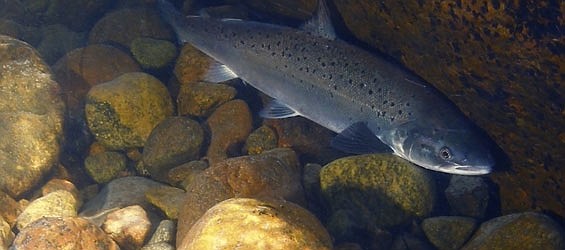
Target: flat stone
448,232
106,166
153,53
467,196
201,98
168,199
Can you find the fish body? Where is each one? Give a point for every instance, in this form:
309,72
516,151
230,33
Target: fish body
367,100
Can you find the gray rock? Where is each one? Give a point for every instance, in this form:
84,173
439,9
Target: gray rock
165,233
448,232
105,166
31,117
383,190
119,193
467,196
525,231
175,141
158,246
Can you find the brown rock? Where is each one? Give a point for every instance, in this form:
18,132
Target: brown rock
59,184
191,65
200,98
273,174
262,139
6,234
168,199
295,9
230,125
184,174
123,26
63,233
257,224
10,208
128,226
60,203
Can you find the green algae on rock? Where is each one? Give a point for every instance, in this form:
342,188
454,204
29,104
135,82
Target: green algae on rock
31,117
448,232
262,139
382,190
122,113
153,53
201,98
526,231
248,224
106,166
176,140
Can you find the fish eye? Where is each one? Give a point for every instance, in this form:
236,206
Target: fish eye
445,153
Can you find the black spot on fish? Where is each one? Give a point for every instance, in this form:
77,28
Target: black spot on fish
331,76
335,87
362,85
350,81
400,112
379,90
392,119
392,104
323,64
373,107
332,63
278,43
407,104
370,91
385,102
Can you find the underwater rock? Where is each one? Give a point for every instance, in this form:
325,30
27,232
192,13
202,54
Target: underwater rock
448,232
29,34
153,53
381,190
174,141
191,65
262,139
10,208
106,166
467,196
60,203
123,27
31,117
201,98
57,40
78,15
119,193
6,234
158,246
501,63
128,226
164,233
273,174
294,9
60,184
184,174
54,233
244,223
168,199
230,124
527,230
122,113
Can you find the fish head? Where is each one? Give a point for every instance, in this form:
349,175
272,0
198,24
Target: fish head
453,151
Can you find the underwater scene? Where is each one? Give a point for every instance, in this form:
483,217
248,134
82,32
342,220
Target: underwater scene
282,124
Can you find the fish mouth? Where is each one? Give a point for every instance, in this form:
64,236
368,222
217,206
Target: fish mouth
469,170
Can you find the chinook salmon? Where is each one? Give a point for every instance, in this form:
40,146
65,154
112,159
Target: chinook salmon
371,103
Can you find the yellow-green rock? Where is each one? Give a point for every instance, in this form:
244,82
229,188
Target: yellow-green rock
247,224
381,190
448,232
262,139
60,203
526,231
168,199
153,53
122,113
201,99
104,167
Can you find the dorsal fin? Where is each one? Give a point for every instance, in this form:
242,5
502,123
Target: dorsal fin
321,24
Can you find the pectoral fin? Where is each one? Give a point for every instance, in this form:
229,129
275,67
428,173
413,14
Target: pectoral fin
277,110
219,73
359,139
